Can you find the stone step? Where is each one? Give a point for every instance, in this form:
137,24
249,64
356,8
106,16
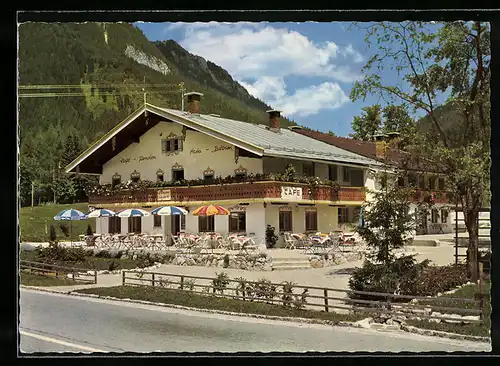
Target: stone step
289,268
291,262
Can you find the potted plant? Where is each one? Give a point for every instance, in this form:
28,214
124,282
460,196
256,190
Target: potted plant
271,237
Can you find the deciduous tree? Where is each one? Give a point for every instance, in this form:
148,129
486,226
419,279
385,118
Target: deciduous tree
440,60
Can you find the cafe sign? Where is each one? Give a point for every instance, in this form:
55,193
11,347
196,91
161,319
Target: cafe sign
291,193
164,195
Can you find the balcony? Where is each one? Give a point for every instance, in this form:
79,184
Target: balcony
263,191
439,196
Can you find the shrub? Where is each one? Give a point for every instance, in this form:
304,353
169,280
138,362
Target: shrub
52,234
287,295
434,280
271,237
56,253
103,254
398,277
189,283
264,289
300,300
167,258
113,265
226,261
220,282
89,230
64,229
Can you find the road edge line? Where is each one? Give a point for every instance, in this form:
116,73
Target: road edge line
404,327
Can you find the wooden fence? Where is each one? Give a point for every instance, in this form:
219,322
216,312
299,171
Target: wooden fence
46,269
309,297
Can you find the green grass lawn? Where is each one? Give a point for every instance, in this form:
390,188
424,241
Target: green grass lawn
30,279
447,301
186,298
35,222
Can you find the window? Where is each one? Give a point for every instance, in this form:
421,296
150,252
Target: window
356,177
444,216
346,174
308,169
171,144
134,225
332,173
159,175
135,176
434,216
285,221
206,224
208,175
441,184
421,182
401,181
114,225
356,212
116,179
177,174
343,215
156,221
237,222
412,180
311,220
432,182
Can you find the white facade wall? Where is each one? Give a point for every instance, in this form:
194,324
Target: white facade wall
197,155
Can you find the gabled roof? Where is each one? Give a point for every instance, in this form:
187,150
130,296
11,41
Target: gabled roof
369,149
257,139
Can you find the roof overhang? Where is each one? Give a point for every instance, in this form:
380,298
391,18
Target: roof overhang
322,161
159,114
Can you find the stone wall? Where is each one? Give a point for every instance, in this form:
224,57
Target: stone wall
326,260
251,262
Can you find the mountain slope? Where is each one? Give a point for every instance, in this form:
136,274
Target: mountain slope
102,71
206,73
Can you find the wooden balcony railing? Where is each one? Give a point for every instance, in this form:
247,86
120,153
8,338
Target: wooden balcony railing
232,191
438,196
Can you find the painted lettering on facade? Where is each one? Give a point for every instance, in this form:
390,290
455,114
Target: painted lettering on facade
194,151
150,157
291,193
140,158
222,148
164,195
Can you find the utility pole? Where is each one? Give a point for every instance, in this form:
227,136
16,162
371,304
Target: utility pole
32,193
181,85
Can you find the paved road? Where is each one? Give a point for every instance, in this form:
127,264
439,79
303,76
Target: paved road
61,323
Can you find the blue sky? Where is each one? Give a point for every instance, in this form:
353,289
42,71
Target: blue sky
304,69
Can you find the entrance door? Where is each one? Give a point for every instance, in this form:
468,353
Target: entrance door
422,224
176,224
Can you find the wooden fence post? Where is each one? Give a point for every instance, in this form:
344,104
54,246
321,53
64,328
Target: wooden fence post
182,283
481,302
388,302
123,278
73,273
153,279
325,291
95,277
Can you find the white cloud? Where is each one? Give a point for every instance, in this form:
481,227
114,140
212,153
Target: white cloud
261,56
251,50
303,102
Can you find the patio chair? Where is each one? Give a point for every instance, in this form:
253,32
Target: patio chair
289,241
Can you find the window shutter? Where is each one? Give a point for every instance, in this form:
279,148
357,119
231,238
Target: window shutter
180,144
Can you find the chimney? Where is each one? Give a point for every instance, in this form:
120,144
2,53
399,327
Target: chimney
193,105
274,120
380,145
394,140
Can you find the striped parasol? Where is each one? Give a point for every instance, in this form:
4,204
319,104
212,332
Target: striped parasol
101,213
169,210
71,215
133,212
210,210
